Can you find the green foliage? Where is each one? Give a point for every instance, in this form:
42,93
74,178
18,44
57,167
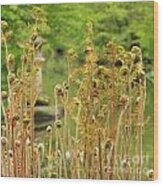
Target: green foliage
125,23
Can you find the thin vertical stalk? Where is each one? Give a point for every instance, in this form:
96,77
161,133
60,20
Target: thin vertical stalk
100,155
13,147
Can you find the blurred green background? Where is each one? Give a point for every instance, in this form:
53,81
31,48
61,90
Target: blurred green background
127,24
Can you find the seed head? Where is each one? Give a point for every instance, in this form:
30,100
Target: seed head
34,35
110,170
76,100
88,50
105,169
10,153
136,50
71,55
11,77
24,59
4,95
26,120
28,141
138,100
16,117
101,114
65,85
127,128
10,62
124,70
58,90
93,119
120,49
137,59
123,99
95,93
58,123
39,42
108,143
4,24
150,174
17,143
96,151
41,147
3,127
109,45
3,141
119,63
49,129
125,163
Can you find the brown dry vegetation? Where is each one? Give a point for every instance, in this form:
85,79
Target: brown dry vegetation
100,135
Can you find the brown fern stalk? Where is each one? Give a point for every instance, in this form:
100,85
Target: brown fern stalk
100,154
113,111
13,147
